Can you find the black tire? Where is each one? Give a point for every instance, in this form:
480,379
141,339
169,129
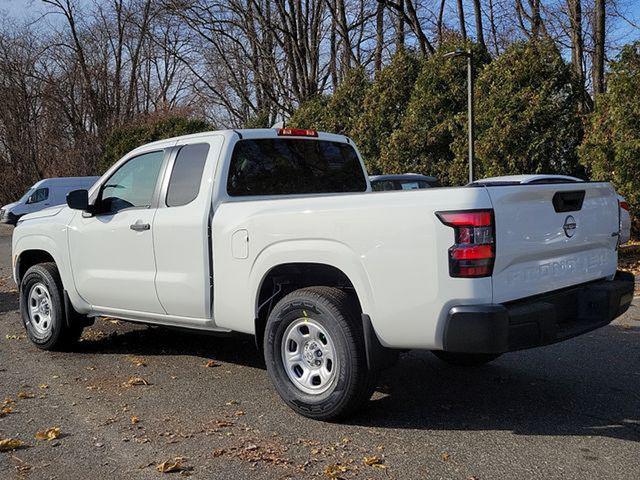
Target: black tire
352,383
58,335
465,359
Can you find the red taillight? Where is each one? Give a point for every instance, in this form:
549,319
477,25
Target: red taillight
474,218
624,205
473,253
296,132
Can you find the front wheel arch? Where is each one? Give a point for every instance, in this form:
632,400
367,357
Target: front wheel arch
28,258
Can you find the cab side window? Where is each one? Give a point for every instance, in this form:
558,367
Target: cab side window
186,175
40,195
133,184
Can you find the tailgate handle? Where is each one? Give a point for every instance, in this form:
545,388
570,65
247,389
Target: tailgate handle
568,201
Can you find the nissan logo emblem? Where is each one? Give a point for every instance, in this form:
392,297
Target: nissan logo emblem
569,226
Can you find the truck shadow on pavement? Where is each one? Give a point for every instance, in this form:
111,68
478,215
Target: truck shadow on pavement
588,386
154,340
584,387
8,302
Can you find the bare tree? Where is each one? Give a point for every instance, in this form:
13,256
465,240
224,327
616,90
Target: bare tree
461,20
477,10
598,47
577,43
530,19
379,37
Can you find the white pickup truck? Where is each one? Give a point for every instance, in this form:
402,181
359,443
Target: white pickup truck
276,233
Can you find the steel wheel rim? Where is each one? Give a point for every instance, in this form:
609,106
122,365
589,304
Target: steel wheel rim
309,356
40,308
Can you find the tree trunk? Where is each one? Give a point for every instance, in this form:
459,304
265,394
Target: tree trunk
479,30
577,47
440,21
400,26
333,46
494,30
463,27
598,53
379,37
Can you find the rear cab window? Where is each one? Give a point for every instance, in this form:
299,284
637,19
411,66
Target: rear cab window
292,166
184,184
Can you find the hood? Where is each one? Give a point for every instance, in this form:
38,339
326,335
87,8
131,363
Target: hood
47,212
9,206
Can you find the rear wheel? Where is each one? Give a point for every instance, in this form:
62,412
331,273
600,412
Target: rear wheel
465,359
42,309
315,353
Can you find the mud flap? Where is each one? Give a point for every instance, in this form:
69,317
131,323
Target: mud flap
379,357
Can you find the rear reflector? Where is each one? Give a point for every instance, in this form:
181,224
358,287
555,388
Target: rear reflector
296,132
473,253
476,252
624,206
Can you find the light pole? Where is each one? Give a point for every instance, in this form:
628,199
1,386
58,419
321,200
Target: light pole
469,56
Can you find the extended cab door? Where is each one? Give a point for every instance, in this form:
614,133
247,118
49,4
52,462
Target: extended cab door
182,243
112,252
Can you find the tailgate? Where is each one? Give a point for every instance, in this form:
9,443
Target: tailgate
552,236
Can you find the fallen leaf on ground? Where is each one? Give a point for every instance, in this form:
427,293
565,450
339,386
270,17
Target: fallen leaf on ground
269,453
374,461
133,381
14,337
334,471
445,456
169,466
25,395
6,410
134,419
48,434
223,423
138,362
8,444
211,363
218,452
239,413
7,401
44,386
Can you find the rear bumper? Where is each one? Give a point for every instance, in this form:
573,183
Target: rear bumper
539,320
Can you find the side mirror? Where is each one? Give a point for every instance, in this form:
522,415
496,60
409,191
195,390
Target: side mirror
78,200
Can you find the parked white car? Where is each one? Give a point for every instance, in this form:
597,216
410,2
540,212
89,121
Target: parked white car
403,181
274,233
44,194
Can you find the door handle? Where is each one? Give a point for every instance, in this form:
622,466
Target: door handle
140,227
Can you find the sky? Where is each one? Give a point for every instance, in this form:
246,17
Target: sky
622,32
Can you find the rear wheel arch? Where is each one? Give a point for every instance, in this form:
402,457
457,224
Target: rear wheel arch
285,278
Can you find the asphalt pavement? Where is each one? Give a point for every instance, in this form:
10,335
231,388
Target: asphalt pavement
130,397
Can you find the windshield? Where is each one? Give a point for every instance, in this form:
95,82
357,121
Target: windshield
26,195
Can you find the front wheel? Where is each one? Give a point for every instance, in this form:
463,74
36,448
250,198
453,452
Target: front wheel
315,353
42,309
465,359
